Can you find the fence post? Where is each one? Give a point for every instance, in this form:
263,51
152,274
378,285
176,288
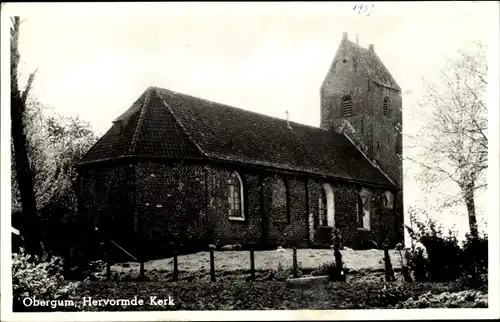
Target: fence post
295,264
108,269
141,274
252,264
389,271
176,268
339,270
212,266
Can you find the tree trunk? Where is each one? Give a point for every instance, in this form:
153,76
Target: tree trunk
468,191
29,221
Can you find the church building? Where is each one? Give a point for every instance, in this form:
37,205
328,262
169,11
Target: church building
177,172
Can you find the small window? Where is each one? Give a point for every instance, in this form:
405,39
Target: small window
288,199
388,200
359,212
363,209
387,107
322,206
346,106
235,197
117,127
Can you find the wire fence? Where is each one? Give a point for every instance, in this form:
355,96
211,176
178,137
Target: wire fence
250,265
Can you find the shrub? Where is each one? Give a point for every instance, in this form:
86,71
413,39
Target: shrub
475,260
40,278
467,298
439,257
282,273
391,294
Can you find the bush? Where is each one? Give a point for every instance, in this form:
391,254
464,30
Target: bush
475,260
40,278
469,298
391,294
282,274
439,257
416,262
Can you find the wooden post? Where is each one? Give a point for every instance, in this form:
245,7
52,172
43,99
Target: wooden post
389,272
295,264
252,264
108,269
141,275
212,266
339,270
176,268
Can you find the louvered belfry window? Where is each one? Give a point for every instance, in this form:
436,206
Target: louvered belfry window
346,106
387,107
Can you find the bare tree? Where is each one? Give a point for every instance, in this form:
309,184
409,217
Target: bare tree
18,100
454,139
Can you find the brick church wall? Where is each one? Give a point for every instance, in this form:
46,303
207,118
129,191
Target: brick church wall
222,229
287,215
184,206
170,207
106,203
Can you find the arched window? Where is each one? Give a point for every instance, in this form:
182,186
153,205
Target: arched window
346,106
387,107
326,206
359,212
235,197
363,207
281,199
323,219
388,200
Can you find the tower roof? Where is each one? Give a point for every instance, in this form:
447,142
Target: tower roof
370,62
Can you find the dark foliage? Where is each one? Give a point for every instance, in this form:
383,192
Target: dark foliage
442,258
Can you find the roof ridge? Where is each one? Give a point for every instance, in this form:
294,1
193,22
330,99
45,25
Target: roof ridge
138,126
237,108
183,128
369,70
367,158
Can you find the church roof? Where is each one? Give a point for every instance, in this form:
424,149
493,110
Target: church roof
167,124
372,64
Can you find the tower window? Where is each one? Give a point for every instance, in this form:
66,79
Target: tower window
346,106
387,107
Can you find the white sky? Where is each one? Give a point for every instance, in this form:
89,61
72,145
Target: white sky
96,59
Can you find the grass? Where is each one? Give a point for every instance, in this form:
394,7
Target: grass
235,261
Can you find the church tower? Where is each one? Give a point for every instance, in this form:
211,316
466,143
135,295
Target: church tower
361,98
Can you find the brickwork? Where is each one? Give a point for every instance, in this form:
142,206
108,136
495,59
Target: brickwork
224,230
170,206
280,230
105,203
184,206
